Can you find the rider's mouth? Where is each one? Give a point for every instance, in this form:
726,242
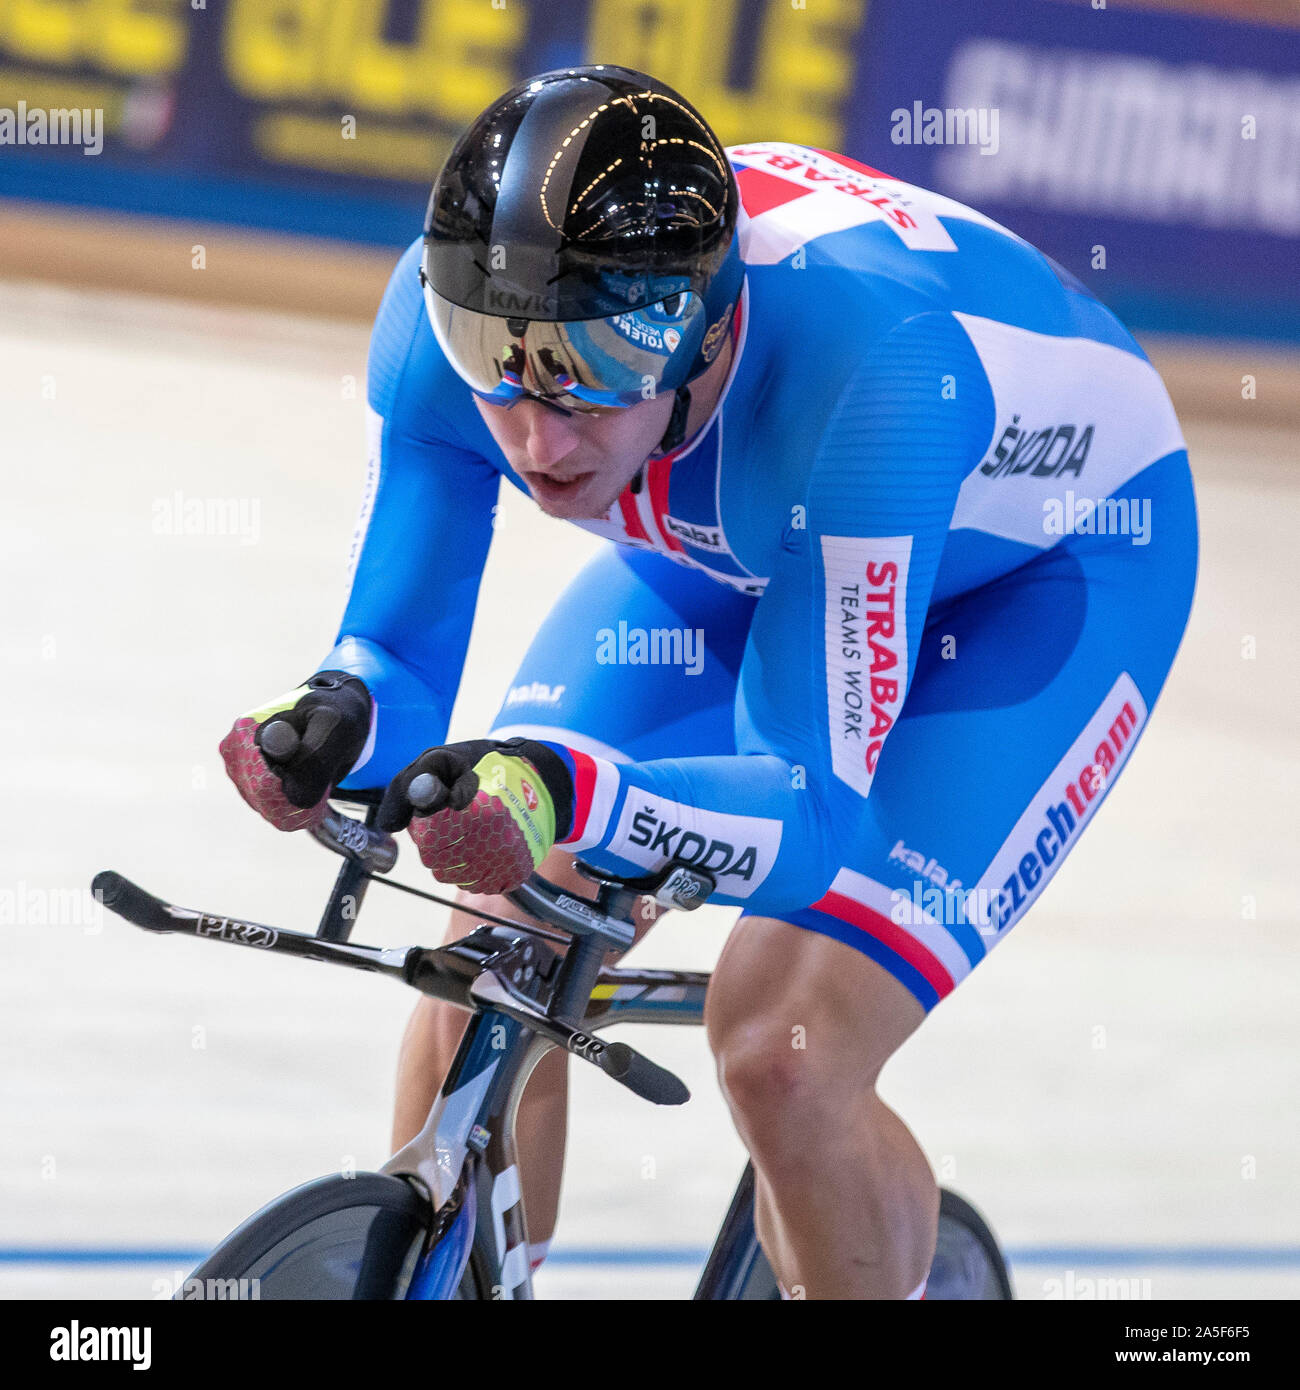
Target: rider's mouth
549,488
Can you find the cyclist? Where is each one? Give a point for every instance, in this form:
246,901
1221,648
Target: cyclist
903,545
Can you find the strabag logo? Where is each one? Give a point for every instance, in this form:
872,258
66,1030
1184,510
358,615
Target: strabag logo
844,197
801,164
738,851
866,648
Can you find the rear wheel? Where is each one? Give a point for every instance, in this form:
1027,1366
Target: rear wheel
968,1264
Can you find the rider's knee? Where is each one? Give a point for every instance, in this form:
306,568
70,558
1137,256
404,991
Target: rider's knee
774,1086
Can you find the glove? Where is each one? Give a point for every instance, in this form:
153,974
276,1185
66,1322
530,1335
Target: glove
493,813
331,715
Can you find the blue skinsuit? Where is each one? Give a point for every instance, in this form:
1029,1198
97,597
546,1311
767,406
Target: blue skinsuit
874,644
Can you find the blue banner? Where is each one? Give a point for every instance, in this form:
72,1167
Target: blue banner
1154,154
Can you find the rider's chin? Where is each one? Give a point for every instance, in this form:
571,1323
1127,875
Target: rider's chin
563,495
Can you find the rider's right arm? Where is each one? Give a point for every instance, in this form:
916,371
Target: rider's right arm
421,541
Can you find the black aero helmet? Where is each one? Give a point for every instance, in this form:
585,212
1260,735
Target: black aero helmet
580,242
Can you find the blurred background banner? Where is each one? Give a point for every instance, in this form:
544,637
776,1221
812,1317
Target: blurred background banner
1151,148
1154,153
331,116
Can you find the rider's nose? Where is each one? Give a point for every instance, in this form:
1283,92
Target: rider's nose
551,436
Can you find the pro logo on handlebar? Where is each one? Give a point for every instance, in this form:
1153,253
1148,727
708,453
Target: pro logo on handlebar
351,834
683,889
239,933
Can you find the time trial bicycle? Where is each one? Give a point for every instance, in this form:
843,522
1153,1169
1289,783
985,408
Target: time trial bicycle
444,1217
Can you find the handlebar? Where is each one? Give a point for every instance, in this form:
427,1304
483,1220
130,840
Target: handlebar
129,900
678,886
375,849
473,973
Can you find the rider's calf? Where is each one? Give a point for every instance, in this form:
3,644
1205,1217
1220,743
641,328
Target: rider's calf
800,1027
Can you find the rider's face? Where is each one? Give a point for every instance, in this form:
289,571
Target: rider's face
576,465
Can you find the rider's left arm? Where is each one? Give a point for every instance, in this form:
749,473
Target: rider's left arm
832,646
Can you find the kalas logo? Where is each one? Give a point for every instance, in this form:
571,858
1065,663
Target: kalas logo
928,868
707,538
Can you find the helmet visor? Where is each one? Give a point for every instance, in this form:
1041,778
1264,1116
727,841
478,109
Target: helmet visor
607,363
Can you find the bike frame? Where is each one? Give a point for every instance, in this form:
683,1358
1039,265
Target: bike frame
465,1155
524,997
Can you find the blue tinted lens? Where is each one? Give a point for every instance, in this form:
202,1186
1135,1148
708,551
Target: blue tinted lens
612,362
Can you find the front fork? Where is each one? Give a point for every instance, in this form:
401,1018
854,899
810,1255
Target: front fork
442,1265
466,1157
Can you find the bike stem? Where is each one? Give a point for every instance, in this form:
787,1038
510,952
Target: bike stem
577,978
362,854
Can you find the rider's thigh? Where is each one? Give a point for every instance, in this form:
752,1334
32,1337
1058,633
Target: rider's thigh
1029,696
790,1011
